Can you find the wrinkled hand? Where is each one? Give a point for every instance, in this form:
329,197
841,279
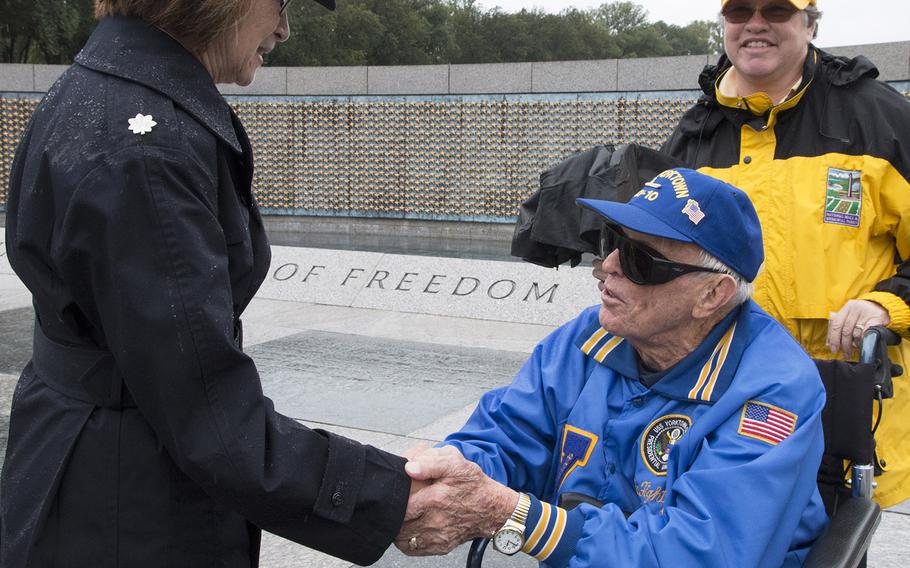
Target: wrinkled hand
415,450
598,272
846,327
460,503
410,454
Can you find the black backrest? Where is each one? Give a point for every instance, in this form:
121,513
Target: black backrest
847,424
847,417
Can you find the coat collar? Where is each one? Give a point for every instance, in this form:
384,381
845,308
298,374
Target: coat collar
711,75
702,376
131,49
838,71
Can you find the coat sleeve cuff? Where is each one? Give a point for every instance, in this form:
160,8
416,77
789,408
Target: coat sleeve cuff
343,477
897,308
360,504
551,533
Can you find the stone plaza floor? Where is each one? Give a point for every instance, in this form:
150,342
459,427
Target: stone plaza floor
388,378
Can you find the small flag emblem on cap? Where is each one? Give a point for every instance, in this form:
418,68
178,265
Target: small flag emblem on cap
693,211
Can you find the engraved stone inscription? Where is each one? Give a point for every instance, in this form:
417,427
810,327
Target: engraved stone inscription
457,285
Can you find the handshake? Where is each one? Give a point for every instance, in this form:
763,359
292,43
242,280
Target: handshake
452,501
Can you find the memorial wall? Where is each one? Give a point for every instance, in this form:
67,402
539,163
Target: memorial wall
443,143
397,187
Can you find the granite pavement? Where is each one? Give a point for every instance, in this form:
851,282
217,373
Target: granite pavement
389,378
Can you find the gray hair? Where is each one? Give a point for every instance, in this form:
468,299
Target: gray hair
811,15
744,289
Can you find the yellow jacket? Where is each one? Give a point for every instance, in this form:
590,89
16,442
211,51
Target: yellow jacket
828,170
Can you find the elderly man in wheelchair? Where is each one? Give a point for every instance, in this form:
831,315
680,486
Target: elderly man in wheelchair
674,424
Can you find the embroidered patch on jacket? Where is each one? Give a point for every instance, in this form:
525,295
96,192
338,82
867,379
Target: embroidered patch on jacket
843,197
650,492
577,446
766,422
659,438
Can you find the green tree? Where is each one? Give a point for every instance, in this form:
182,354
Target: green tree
700,36
312,37
357,34
646,41
469,43
621,17
43,31
396,32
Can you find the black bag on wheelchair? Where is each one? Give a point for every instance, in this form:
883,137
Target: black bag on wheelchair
551,229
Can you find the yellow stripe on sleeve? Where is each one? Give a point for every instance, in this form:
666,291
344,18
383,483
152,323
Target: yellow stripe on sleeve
539,529
554,536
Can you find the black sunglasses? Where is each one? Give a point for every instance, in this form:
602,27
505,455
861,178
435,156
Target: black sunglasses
774,13
640,263
284,6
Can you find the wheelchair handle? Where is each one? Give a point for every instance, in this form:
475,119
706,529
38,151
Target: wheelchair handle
874,351
475,555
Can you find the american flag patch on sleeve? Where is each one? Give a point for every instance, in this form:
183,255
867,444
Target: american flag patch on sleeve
766,422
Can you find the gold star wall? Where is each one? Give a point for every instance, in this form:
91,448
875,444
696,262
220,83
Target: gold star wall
460,158
471,158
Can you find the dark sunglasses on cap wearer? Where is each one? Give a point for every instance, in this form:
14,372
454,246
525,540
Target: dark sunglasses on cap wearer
774,13
640,263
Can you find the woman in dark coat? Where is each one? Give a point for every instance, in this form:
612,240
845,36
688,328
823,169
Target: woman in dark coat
139,433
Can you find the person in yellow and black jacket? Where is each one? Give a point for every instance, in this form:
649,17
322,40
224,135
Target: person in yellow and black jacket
823,150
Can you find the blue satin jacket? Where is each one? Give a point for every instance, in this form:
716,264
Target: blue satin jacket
713,465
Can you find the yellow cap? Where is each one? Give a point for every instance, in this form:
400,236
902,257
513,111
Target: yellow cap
798,4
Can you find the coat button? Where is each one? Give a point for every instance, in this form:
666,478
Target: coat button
882,462
337,499
611,468
637,402
747,160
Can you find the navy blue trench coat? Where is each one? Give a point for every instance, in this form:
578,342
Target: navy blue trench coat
139,433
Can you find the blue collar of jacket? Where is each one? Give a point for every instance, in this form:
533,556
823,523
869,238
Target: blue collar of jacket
702,376
132,49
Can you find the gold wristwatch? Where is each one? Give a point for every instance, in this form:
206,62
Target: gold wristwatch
511,536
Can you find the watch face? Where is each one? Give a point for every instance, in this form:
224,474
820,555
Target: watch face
508,541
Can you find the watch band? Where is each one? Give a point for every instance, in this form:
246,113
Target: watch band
510,537
520,514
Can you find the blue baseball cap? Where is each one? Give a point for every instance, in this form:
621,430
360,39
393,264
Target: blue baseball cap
688,206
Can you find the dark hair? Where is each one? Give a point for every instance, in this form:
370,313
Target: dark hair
195,23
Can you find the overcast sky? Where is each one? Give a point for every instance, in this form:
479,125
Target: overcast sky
844,22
